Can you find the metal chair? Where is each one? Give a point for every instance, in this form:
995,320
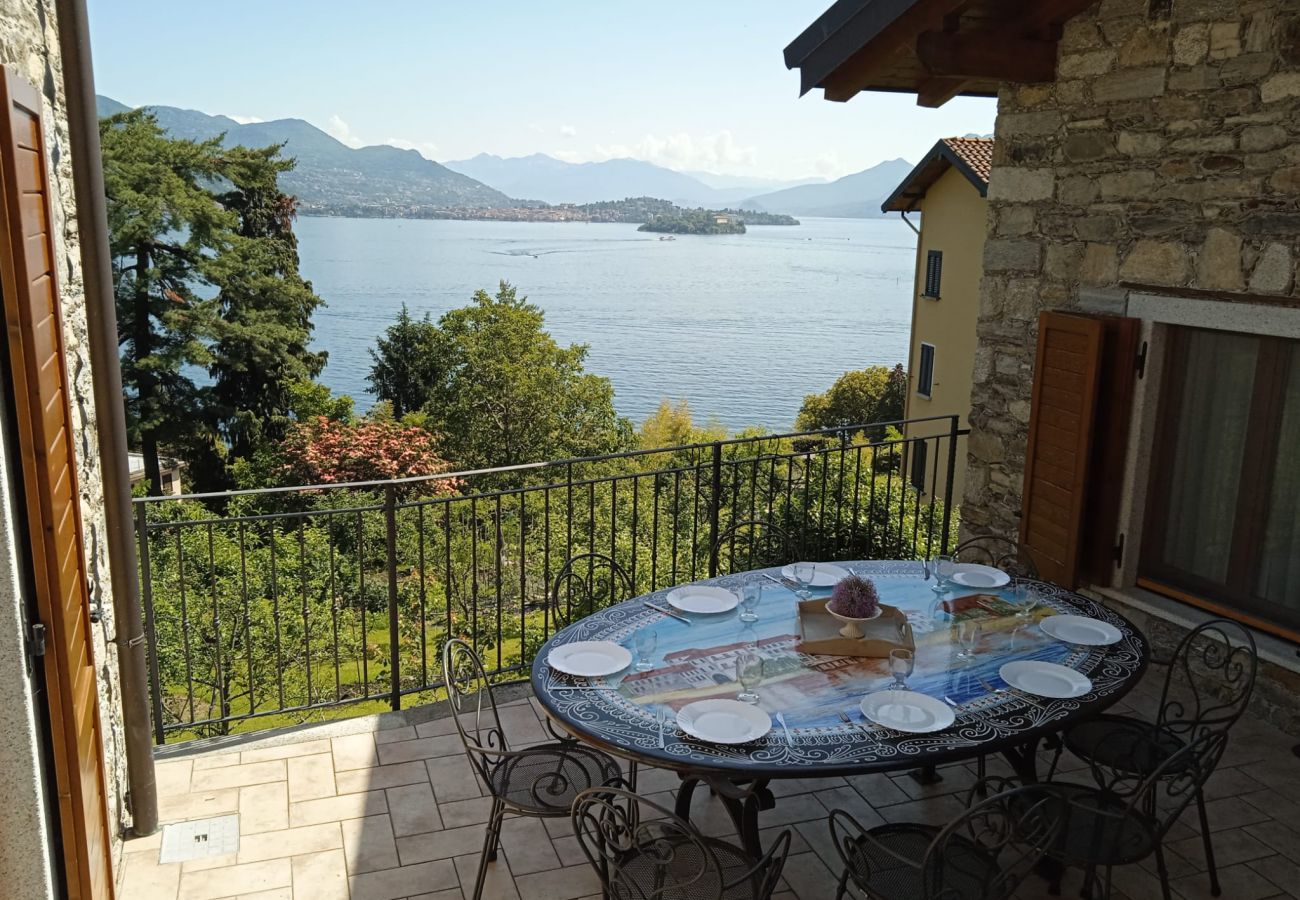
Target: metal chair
1206,690
540,781
1001,553
982,855
586,584
1125,817
641,851
762,544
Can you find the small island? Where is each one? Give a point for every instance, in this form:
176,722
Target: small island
695,221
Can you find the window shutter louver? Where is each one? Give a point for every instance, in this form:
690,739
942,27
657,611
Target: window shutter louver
39,377
920,450
933,273
1057,458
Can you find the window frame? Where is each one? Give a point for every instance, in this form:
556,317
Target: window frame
928,392
920,460
932,282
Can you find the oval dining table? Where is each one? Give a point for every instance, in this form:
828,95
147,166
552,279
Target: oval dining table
815,694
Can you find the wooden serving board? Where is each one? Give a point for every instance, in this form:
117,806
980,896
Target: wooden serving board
819,632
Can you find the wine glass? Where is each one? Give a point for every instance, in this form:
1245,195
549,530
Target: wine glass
804,573
941,568
749,672
645,641
901,663
1025,599
969,634
750,594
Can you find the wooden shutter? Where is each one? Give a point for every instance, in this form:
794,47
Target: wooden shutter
920,450
1066,373
44,418
933,273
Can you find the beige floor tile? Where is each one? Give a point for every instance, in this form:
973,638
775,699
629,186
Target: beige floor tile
466,812
291,842
1238,882
450,894
285,751
145,879
173,776
237,776
498,883
153,842
444,725
392,884
528,845
369,844
206,761
203,863
284,893
405,733
263,807
198,805
334,809
421,748
229,881
412,810
568,883
320,876
377,778
311,777
354,751
446,844
452,778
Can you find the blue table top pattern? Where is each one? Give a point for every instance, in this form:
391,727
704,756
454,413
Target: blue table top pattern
696,661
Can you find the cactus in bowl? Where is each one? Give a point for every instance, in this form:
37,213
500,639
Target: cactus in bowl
854,599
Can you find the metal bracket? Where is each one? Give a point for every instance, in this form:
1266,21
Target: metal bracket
1141,362
35,644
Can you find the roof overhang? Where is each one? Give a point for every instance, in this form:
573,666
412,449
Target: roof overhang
937,49
913,188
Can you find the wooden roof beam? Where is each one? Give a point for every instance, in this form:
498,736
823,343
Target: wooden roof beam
927,15
987,55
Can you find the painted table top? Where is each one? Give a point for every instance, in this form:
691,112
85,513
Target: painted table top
696,661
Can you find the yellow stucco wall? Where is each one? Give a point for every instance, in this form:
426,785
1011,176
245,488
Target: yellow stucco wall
953,220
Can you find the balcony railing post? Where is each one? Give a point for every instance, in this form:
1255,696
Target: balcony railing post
390,544
947,487
715,506
151,632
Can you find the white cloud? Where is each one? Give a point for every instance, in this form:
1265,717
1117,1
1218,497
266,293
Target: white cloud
715,152
246,120
342,131
568,131
427,149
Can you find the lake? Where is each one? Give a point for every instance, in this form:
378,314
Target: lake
741,326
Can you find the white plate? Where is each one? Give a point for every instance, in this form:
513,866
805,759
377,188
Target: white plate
723,721
591,659
1080,630
701,598
977,576
827,574
907,711
1045,679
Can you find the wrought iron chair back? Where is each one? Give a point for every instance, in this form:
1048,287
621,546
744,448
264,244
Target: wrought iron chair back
474,709
587,583
1001,553
754,544
641,851
1210,680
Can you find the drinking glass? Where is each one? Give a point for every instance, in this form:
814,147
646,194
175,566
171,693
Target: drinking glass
941,568
1025,599
750,594
749,672
646,640
804,573
969,633
901,664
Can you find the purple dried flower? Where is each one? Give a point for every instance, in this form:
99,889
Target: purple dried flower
855,597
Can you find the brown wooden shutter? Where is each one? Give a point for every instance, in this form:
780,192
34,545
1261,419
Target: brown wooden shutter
40,383
1066,374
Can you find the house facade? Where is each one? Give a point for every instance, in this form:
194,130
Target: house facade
947,188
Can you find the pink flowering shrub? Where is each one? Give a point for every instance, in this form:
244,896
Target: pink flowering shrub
855,597
325,451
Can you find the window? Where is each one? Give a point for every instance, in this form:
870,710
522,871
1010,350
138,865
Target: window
1223,515
925,371
920,449
933,273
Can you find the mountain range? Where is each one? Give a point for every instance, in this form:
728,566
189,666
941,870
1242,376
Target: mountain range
332,178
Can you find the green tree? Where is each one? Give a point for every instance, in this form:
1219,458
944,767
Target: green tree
166,232
861,397
404,363
501,391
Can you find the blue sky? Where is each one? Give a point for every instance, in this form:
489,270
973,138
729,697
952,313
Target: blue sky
690,85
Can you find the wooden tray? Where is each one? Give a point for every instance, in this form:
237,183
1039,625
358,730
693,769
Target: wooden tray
819,632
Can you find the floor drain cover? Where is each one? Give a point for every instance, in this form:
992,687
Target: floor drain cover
200,839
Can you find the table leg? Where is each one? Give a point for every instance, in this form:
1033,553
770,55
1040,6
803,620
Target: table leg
925,775
1024,759
743,802
685,791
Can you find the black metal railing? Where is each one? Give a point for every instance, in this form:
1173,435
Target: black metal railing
269,607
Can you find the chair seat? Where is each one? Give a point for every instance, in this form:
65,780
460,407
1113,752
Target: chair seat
964,872
1100,829
687,875
1122,743
543,780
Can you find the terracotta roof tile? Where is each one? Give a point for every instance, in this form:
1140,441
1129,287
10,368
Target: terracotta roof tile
975,152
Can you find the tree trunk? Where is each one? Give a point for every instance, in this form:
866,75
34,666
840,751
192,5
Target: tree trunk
142,338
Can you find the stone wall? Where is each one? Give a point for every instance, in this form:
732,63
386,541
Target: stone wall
1165,154
29,42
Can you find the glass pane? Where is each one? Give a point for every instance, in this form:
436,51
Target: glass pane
1279,571
1217,384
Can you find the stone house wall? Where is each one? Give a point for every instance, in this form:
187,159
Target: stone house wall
29,41
1165,154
